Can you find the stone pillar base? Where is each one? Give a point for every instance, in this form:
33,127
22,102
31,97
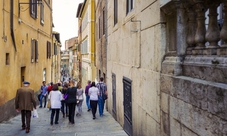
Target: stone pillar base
222,51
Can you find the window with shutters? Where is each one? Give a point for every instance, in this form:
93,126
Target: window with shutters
33,8
129,6
115,11
7,58
55,49
34,50
99,27
103,21
84,45
42,14
48,50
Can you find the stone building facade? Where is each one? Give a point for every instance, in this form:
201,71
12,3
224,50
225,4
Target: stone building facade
26,43
193,72
166,66
56,59
86,13
101,38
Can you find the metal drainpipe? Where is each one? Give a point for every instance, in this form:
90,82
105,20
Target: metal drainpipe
139,44
11,23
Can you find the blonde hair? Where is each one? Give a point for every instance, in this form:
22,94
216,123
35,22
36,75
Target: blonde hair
72,83
79,85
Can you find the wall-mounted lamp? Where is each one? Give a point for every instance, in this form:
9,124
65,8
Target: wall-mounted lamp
35,2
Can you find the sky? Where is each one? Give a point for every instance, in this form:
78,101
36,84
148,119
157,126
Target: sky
64,19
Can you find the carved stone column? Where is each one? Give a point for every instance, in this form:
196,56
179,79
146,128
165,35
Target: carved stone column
200,30
191,29
223,33
213,33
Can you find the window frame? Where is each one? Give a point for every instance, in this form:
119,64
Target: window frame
115,12
42,14
34,8
129,6
103,21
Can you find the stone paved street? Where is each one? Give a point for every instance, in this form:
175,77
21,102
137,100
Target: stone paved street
84,125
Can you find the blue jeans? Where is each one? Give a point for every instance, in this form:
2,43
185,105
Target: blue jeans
88,101
41,101
101,105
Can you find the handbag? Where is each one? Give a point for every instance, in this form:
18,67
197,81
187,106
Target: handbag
48,104
66,96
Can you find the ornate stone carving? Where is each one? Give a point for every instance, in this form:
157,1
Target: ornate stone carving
213,33
191,27
200,30
223,33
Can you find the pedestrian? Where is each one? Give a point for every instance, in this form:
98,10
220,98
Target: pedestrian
44,92
71,101
25,102
87,96
55,97
93,93
64,106
102,95
80,93
49,88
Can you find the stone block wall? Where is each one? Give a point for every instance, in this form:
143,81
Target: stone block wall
192,106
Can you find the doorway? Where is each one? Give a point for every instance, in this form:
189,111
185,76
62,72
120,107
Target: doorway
127,90
114,96
22,75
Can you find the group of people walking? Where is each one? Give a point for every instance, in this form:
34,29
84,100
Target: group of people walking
64,98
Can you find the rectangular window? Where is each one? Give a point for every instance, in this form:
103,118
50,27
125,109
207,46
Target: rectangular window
84,47
115,11
33,8
48,50
103,21
55,49
34,51
129,6
42,14
7,58
99,28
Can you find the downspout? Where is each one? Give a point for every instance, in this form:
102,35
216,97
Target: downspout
11,23
139,65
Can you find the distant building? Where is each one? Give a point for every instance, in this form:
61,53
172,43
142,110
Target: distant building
72,46
56,59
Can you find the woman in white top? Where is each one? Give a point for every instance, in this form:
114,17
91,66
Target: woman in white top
93,92
55,97
80,98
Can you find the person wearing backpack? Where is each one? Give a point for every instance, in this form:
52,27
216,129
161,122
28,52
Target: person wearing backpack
102,95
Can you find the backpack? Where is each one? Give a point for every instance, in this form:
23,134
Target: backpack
102,89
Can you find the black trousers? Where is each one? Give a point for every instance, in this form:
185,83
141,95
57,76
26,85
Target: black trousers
26,114
93,104
72,107
53,111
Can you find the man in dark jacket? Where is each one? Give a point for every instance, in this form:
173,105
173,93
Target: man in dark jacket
25,102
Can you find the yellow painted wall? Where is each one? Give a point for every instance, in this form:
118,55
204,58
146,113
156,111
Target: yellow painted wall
89,33
24,31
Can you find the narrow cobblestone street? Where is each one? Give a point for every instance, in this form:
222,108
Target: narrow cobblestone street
84,125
